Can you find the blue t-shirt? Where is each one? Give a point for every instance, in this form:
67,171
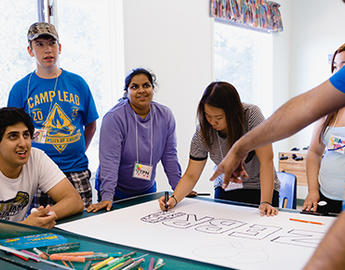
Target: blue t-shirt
62,111
338,80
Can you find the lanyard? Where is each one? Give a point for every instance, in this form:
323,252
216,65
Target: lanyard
28,90
220,148
136,135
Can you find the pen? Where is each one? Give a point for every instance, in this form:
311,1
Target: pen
23,265
102,263
21,257
166,200
40,253
12,250
305,221
203,194
198,194
134,264
159,266
30,253
152,261
57,257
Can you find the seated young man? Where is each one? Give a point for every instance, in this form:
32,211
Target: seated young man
24,169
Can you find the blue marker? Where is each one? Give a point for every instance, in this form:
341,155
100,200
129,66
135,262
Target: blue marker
166,200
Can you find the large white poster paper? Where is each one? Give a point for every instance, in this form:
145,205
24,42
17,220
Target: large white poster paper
221,234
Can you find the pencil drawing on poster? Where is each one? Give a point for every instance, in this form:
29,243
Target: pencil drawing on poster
235,228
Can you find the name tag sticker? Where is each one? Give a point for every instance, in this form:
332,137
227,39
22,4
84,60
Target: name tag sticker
336,144
142,171
40,135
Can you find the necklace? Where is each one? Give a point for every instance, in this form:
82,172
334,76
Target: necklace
28,90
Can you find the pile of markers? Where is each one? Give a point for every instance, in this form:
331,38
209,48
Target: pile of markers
90,260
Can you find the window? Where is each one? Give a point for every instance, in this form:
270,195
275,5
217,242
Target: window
243,57
91,36
90,33
15,62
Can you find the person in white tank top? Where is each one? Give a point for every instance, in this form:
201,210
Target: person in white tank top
326,156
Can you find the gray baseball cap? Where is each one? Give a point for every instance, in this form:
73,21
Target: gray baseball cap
42,28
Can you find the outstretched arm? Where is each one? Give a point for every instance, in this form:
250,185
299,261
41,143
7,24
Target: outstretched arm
186,183
287,120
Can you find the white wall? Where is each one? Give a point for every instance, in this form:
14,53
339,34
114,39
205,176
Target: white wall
174,39
315,28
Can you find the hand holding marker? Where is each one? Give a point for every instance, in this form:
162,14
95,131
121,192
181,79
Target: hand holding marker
166,199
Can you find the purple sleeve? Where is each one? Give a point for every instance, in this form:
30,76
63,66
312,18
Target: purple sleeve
110,143
169,159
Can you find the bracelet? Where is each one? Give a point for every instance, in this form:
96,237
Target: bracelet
172,196
266,203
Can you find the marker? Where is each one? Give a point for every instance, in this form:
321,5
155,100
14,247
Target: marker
57,257
24,258
12,250
203,194
166,199
41,253
32,254
152,261
134,264
63,247
159,266
119,265
102,263
305,221
87,266
198,194
79,253
15,262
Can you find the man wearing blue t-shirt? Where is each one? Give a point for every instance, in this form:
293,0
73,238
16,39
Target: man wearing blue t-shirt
62,108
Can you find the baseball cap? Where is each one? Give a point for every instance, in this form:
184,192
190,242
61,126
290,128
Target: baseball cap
42,28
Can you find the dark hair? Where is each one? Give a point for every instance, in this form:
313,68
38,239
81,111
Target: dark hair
150,76
222,95
10,116
331,116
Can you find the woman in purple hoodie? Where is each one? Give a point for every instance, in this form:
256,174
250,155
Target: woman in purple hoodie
135,135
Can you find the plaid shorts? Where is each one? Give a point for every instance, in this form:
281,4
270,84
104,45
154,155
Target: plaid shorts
80,181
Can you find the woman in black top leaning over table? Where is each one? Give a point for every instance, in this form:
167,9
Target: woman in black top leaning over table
223,119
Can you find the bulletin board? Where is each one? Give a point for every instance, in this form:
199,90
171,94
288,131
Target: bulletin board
211,232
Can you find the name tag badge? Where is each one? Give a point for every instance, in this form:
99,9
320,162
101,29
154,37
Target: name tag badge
40,135
142,171
336,144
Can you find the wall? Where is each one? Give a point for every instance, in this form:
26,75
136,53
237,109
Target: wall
174,39
316,29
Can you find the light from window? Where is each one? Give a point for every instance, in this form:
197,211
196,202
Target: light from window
243,57
15,20
90,45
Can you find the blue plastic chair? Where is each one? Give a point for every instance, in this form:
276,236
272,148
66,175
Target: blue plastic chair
287,193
